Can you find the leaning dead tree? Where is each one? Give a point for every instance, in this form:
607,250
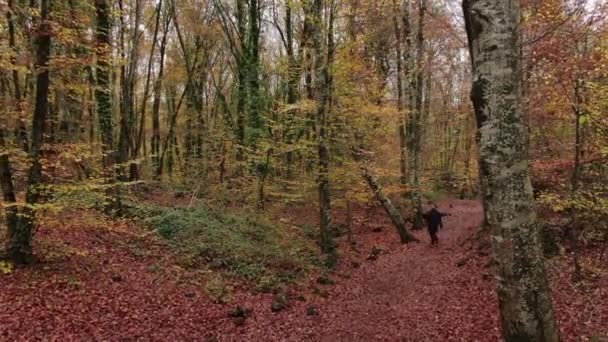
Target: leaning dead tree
388,206
391,211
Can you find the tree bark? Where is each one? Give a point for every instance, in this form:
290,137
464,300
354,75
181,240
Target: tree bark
11,210
400,99
242,73
322,98
158,85
142,119
293,74
103,93
19,247
523,291
128,84
415,122
21,127
388,206
255,121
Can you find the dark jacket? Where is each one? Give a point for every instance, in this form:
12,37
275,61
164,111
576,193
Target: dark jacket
433,219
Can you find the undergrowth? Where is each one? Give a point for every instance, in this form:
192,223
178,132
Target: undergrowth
242,245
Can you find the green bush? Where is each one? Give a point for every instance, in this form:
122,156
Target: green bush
243,246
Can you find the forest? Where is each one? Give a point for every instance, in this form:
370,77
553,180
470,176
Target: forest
267,170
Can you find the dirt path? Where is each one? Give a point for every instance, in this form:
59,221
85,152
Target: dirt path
419,293
410,293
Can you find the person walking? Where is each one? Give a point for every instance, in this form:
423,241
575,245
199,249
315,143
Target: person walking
434,221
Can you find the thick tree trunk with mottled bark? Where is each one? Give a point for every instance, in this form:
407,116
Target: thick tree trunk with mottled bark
523,290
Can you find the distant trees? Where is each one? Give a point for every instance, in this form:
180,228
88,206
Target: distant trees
523,291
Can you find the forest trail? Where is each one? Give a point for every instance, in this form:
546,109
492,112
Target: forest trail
419,292
410,293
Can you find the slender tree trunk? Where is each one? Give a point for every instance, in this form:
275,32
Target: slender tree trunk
128,139
21,127
103,93
128,84
322,97
123,145
400,99
155,143
142,119
242,73
523,291
578,114
292,86
170,134
409,95
409,66
255,121
415,123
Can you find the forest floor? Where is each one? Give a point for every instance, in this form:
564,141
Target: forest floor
96,281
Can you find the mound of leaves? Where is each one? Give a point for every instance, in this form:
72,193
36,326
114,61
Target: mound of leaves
247,247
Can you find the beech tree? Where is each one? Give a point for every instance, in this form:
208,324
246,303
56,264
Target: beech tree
525,302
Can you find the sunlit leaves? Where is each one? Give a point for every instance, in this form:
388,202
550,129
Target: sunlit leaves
6,267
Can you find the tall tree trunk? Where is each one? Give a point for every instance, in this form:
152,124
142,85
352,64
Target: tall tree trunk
579,111
123,145
128,139
103,93
155,143
400,100
523,291
322,97
142,119
128,83
21,127
415,123
19,247
255,121
292,86
242,74
408,94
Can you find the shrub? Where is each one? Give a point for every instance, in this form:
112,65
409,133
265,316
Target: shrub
247,247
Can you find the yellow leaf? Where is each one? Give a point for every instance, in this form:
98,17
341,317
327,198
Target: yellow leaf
6,267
